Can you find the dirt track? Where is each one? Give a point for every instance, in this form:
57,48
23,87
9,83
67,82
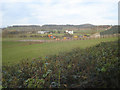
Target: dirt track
42,41
37,40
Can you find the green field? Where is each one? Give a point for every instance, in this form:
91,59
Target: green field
13,52
30,38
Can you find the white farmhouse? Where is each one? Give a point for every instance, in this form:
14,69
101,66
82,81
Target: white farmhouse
42,32
69,31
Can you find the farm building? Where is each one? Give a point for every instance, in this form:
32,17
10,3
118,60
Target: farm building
69,31
42,32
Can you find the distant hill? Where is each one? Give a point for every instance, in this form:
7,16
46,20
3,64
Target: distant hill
113,30
86,26
56,27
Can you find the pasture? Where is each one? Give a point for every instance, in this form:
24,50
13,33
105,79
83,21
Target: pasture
13,51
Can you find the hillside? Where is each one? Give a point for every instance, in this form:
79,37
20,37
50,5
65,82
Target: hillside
113,30
56,27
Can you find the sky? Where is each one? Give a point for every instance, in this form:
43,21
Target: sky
60,12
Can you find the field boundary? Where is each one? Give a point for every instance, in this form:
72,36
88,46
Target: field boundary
86,38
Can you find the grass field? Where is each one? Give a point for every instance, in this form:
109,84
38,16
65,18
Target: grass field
13,52
31,38
83,32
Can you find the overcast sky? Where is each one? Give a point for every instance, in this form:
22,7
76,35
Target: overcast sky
39,12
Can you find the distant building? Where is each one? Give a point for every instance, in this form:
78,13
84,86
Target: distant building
42,32
69,31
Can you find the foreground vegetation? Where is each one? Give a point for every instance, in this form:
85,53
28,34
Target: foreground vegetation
97,66
13,52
